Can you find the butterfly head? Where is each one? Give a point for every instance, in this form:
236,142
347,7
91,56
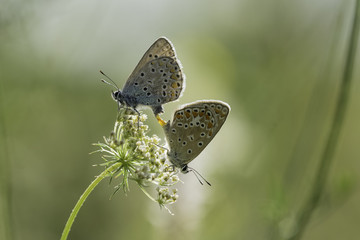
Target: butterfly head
185,169
117,96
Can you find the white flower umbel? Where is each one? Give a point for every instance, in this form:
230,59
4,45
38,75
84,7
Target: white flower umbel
129,154
137,156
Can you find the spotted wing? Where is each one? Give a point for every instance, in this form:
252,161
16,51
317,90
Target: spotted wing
193,127
158,81
162,47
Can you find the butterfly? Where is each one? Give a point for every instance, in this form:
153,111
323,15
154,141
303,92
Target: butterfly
157,79
193,127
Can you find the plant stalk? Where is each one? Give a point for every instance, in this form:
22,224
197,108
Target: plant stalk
339,114
84,196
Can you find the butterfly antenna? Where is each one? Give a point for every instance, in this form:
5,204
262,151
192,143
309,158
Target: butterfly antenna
111,83
197,174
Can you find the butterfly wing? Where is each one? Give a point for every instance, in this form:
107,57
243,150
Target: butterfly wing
192,129
162,47
159,81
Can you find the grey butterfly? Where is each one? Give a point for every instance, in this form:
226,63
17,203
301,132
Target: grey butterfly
192,129
156,80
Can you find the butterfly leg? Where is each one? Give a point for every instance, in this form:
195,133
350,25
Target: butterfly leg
138,113
171,169
134,110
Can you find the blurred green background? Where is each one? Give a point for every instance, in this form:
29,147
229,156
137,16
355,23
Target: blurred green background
277,63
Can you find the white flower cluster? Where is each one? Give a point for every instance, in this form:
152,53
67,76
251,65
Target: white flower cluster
141,158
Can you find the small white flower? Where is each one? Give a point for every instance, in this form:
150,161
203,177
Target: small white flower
142,159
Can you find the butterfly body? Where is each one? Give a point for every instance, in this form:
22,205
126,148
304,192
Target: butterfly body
156,80
192,129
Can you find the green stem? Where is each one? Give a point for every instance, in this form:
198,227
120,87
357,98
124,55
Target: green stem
339,114
84,196
5,174
146,193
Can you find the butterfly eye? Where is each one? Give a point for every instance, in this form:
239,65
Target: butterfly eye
185,169
116,94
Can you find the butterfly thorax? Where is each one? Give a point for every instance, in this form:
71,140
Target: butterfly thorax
124,100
